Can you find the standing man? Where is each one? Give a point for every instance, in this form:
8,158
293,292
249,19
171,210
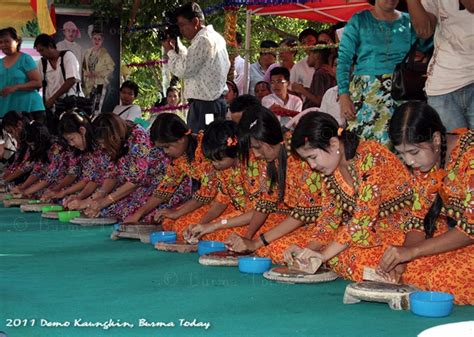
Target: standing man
258,68
203,66
450,82
60,75
302,72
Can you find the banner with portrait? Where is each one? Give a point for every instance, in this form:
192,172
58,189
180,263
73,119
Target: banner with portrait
96,45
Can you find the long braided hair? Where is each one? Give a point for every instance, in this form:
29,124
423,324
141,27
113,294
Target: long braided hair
413,123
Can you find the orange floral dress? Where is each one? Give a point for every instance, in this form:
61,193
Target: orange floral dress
200,169
239,188
367,215
301,201
452,271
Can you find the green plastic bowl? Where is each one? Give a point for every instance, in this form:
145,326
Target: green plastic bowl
52,208
8,197
34,202
68,215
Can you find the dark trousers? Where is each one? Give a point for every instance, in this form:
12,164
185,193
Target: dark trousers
199,109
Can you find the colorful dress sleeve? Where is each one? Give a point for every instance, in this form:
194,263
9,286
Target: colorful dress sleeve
175,173
133,166
58,164
303,190
458,188
203,171
369,171
94,166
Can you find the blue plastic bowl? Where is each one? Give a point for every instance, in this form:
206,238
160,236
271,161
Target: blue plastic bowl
431,303
207,247
254,265
168,237
116,227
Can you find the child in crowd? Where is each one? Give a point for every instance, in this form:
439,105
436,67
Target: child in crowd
126,109
262,89
280,102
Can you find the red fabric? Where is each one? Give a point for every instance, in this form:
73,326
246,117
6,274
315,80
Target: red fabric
33,5
52,14
330,11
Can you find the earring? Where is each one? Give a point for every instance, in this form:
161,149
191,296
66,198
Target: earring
437,150
337,152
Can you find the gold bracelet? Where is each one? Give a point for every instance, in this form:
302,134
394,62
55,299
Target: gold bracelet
111,198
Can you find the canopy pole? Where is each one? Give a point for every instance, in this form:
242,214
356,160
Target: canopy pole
248,30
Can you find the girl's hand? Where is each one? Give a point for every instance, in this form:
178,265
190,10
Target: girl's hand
394,255
238,244
132,219
290,253
308,261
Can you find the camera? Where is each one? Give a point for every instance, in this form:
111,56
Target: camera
168,29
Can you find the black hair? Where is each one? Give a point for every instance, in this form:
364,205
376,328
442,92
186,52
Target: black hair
413,123
261,124
170,89
238,38
268,44
290,42
317,128
233,87
325,53
330,32
97,31
220,140
308,32
132,86
280,71
189,11
71,122
240,103
45,41
38,134
13,34
169,128
265,83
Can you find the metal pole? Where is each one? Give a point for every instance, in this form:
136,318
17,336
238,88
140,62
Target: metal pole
248,30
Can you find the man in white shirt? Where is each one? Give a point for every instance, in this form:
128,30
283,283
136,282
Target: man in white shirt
126,109
302,72
203,66
71,32
63,74
258,68
283,104
60,76
450,83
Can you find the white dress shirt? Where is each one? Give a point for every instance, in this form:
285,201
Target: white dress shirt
203,66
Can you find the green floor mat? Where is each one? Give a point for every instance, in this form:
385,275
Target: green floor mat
55,273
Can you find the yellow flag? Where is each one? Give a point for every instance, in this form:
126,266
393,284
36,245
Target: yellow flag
44,19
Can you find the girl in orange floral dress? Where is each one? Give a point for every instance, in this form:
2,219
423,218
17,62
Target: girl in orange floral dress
286,211
171,133
438,252
237,186
366,192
